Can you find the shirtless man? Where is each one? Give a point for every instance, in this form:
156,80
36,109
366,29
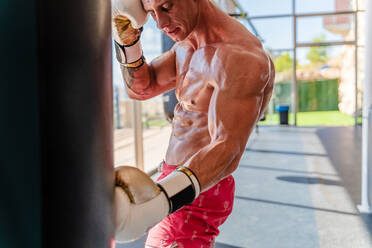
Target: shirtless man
223,80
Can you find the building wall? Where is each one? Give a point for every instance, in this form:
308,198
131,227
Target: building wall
347,66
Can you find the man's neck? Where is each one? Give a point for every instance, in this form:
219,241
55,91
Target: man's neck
208,29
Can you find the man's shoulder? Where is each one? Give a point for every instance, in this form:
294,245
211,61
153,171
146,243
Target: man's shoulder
235,50
237,57
224,53
248,67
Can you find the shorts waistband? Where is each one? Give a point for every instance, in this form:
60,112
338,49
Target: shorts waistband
164,167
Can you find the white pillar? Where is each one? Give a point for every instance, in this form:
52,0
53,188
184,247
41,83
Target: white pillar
366,204
138,134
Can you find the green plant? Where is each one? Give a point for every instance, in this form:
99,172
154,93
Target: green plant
283,63
317,54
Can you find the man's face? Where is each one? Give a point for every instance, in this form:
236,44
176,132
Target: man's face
176,18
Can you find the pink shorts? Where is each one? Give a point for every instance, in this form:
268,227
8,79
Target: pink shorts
195,225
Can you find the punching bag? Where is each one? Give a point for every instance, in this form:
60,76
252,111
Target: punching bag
56,181
75,70
20,209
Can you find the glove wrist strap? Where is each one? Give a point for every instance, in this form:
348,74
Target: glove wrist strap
135,64
128,54
181,188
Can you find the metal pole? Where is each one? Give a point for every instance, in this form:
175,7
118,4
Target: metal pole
365,206
138,134
356,65
295,96
332,43
117,107
321,14
230,6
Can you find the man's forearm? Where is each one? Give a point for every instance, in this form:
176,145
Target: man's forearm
136,79
133,67
128,75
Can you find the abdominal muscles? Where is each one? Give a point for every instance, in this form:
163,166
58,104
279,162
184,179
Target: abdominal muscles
190,134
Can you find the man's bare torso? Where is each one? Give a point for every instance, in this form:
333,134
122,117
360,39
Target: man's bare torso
223,80
194,88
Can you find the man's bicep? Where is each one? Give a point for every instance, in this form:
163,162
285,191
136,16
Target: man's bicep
239,91
163,69
230,123
232,116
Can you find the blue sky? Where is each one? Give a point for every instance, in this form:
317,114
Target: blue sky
277,33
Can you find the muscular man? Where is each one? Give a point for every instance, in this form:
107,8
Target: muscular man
223,80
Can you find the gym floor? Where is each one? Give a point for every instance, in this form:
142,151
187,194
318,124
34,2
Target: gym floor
297,187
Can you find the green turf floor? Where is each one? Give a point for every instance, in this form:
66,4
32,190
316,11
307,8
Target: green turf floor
318,118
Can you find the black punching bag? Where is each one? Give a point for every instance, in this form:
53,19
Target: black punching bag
20,213
75,72
169,98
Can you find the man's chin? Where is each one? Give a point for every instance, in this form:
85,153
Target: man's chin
175,38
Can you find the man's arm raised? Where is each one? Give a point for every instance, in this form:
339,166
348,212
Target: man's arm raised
240,93
142,80
149,80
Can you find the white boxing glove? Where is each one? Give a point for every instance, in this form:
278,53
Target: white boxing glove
128,17
140,203
132,9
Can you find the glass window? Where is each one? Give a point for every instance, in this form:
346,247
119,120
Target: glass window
266,7
326,86
325,28
156,132
151,40
318,6
283,89
124,151
275,32
153,126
